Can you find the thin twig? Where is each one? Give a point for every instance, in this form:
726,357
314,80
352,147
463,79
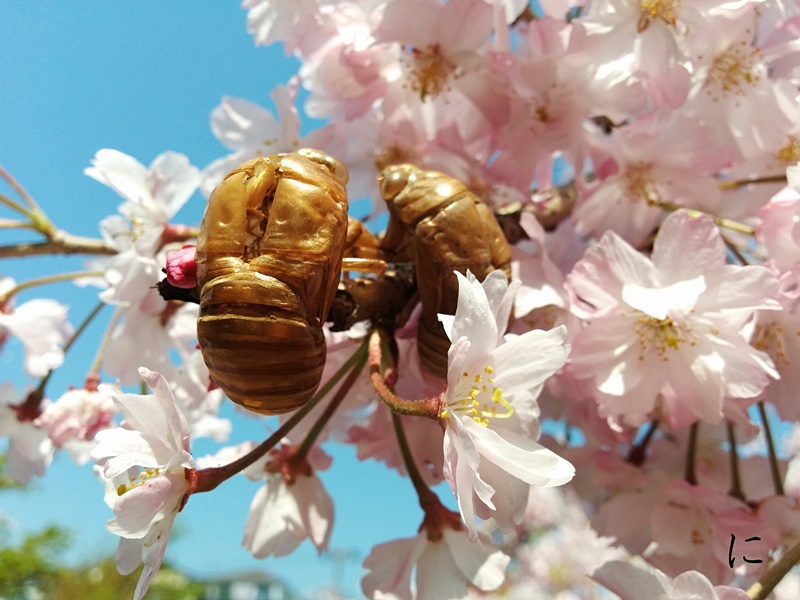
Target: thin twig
777,479
761,589
18,188
731,185
60,243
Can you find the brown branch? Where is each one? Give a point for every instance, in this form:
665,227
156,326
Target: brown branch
60,243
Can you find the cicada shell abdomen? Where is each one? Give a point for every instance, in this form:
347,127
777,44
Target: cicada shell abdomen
441,226
269,256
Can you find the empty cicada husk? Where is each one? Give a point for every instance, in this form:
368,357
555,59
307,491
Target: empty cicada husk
269,257
437,223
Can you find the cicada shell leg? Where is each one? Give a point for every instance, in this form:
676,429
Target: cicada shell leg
223,232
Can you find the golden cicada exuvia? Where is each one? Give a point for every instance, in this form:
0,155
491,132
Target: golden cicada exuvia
269,257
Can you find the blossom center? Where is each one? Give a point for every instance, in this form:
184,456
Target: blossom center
790,153
430,71
662,335
770,338
144,475
637,182
735,70
653,10
478,398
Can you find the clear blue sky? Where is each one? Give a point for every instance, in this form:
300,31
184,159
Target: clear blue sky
142,78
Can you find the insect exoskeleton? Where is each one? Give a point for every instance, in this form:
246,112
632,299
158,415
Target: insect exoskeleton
269,256
437,223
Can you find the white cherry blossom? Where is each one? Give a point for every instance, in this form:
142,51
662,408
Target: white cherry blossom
490,405
144,466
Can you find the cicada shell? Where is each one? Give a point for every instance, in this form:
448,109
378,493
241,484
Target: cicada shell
269,257
437,223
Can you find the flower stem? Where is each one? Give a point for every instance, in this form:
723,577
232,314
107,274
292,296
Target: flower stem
423,491
777,479
49,279
693,212
112,324
18,188
12,224
81,328
334,404
735,251
691,454
638,451
428,407
762,588
731,185
736,481
15,206
206,480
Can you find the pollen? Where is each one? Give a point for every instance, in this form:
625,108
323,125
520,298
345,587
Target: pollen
145,475
637,182
430,71
790,153
735,71
770,338
479,402
657,10
661,336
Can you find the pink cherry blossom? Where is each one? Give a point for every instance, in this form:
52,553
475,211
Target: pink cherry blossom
292,506
634,580
442,565
76,417
144,465
667,327
30,449
778,334
779,223
641,173
489,406
252,131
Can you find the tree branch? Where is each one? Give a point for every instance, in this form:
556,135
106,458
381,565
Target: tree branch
60,243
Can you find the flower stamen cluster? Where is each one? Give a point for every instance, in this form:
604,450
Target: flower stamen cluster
430,71
736,69
143,477
661,335
652,10
472,401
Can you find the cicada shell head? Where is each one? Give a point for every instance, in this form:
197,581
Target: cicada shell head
269,257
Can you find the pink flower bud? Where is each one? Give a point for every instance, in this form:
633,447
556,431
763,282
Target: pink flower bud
181,267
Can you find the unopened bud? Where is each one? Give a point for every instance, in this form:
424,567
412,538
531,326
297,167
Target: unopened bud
182,268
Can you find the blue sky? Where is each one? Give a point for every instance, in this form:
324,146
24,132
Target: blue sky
143,78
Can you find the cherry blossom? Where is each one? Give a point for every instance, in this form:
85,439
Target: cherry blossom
634,580
144,465
252,131
668,328
779,223
292,506
30,449
42,327
152,195
488,442
440,559
76,417
778,334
